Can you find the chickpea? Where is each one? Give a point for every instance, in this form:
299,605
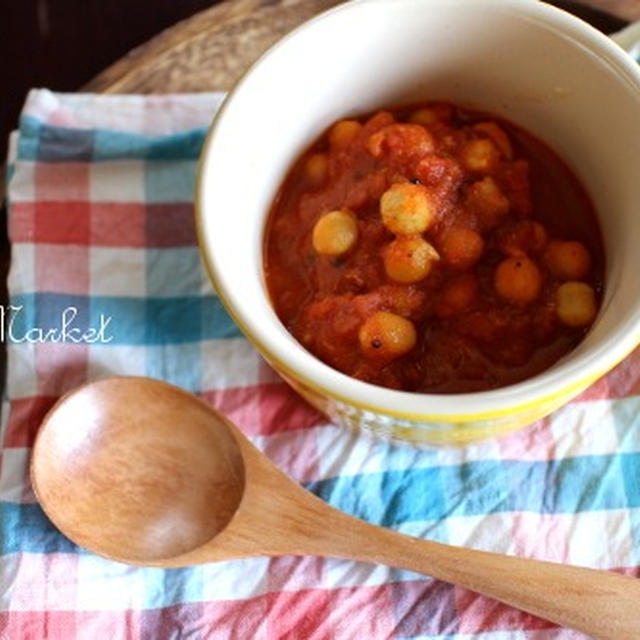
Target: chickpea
335,233
480,154
461,246
316,168
518,280
576,304
498,136
431,114
488,201
407,209
386,335
343,133
424,116
567,260
458,295
409,259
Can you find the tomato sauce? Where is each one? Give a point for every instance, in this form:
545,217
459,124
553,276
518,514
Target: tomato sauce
460,254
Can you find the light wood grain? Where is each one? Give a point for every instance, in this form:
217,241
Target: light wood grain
142,472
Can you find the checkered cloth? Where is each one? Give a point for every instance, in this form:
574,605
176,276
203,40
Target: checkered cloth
100,221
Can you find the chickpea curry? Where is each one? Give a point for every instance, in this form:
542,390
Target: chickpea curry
434,249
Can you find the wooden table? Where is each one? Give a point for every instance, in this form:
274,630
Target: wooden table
210,50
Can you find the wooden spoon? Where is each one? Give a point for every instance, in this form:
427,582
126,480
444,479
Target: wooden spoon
141,472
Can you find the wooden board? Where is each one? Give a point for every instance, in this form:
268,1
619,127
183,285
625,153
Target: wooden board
208,51
211,50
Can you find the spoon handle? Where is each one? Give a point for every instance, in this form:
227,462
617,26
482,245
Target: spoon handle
277,516
600,603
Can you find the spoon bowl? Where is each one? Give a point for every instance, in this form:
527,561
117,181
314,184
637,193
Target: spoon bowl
136,470
139,471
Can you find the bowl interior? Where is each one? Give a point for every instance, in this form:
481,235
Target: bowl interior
525,61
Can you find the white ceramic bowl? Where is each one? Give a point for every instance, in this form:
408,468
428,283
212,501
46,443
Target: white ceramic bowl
523,60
